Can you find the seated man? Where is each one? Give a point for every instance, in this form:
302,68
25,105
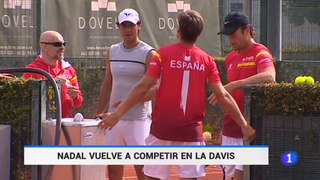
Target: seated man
52,47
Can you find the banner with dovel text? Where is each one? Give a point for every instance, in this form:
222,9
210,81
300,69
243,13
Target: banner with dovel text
18,28
89,26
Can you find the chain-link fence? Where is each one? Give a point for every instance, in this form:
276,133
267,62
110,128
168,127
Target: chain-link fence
300,25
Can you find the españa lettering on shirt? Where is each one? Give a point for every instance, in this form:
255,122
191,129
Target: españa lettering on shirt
186,65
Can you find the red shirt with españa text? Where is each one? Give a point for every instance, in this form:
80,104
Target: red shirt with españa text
180,102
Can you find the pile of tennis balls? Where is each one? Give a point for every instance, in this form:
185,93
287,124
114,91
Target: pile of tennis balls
304,80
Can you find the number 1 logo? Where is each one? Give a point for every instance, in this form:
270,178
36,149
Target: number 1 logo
289,158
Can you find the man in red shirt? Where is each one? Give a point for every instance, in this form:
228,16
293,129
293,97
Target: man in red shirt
52,47
180,102
249,63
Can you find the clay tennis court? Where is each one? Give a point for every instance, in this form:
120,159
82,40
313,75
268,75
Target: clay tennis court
213,173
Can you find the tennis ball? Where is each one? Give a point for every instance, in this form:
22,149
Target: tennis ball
78,117
300,80
206,136
309,80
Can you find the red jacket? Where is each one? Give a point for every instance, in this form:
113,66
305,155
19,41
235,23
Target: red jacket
63,70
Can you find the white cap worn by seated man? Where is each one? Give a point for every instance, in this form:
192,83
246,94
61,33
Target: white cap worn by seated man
129,15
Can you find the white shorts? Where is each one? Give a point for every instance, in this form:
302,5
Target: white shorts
128,133
230,141
163,171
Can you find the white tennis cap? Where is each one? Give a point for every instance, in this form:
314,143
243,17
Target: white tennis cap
128,15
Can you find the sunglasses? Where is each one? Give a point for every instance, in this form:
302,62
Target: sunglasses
55,44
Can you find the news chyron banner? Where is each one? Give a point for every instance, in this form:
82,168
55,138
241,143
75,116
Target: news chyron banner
89,26
146,155
18,27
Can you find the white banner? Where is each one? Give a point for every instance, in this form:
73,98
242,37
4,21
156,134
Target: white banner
146,155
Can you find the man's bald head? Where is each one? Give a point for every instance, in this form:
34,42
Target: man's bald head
51,36
52,47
